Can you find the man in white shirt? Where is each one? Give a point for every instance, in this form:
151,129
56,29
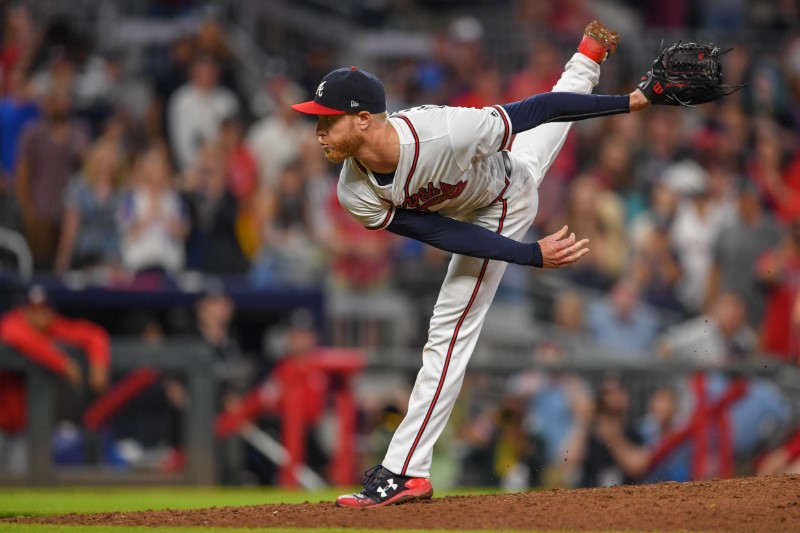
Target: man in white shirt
196,111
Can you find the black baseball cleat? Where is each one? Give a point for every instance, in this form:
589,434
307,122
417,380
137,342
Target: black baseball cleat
382,487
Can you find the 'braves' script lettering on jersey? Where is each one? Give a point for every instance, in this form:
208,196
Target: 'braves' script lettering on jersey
431,195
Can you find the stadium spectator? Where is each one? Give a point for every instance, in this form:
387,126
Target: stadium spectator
766,92
632,450
755,417
210,40
215,311
105,88
152,218
478,414
486,87
288,254
295,375
57,72
675,15
212,244
661,144
518,458
558,411
723,15
656,268
779,270
36,330
168,78
51,150
698,220
433,74
612,167
17,109
539,74
621,325
196,111
570,334
736,250
719,337
660,212
234,372
241,168
466,52
321,179
722,141
775,168
599,215
663,417
792,69
20,38
89,236
276,140
600,466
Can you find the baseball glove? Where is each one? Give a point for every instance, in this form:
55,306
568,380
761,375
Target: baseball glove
686,74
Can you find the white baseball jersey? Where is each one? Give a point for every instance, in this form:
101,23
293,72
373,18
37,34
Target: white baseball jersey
444,166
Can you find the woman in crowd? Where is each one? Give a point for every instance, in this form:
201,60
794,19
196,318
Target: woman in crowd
88,232
152,219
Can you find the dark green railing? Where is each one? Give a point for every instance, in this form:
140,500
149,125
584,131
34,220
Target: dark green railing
187,357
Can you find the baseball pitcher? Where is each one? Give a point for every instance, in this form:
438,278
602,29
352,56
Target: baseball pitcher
447,176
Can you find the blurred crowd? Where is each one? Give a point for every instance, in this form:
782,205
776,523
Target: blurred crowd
116,169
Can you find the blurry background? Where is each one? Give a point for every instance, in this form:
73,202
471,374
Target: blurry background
185,301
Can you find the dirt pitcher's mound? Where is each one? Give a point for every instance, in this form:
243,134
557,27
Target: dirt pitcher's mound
764,504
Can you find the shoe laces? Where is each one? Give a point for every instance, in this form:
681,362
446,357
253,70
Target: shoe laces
373,477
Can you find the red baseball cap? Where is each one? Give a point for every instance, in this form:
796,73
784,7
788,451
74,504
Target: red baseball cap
346,90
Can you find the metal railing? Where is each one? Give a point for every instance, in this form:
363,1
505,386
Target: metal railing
187,357
640,377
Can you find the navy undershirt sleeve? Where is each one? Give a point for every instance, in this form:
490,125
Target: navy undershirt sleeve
463,238
562,107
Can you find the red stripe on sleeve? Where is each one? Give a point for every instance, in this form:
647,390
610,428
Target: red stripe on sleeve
416,153
385,222
506,124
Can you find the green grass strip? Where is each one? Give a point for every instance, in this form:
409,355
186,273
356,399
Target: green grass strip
50,501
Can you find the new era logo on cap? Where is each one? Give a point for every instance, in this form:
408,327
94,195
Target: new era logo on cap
346,90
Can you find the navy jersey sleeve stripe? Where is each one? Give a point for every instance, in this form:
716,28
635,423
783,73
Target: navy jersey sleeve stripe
562,107
463,238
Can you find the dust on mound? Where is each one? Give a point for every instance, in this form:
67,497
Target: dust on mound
765,504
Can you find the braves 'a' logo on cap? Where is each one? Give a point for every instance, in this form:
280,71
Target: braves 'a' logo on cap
320,88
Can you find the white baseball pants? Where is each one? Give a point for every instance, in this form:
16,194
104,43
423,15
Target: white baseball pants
470,285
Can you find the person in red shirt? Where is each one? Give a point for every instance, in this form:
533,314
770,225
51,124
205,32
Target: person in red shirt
241,168
778,270
776,172
33,330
